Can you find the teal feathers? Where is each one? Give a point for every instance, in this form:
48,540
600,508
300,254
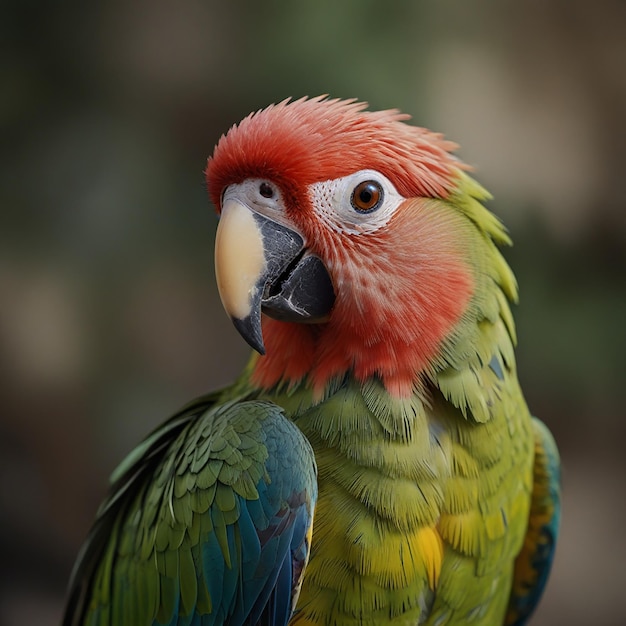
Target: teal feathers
533,564
208,522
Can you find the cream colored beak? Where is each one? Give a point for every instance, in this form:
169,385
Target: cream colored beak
239,258
261,265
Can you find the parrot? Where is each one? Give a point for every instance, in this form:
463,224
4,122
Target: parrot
376,462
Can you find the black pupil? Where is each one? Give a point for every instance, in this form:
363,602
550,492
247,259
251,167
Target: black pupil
266,190
366,195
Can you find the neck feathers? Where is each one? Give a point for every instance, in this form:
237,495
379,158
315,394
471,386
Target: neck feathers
430,295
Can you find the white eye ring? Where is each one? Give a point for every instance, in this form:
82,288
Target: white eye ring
338,204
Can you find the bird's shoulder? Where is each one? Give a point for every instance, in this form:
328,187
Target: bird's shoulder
200,514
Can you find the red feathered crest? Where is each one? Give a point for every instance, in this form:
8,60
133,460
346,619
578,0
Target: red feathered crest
299,142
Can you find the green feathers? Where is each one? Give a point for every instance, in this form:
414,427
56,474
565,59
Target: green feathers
397,419
203,518
479,355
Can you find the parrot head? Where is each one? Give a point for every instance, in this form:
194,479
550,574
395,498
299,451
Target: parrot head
350,242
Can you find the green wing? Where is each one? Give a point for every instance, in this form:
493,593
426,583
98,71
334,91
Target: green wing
533,564
208,523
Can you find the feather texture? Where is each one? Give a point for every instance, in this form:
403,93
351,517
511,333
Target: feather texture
436,495
208,523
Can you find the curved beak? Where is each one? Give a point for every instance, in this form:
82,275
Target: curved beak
261,265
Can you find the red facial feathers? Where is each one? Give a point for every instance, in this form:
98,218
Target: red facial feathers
400,290
296,143
399,293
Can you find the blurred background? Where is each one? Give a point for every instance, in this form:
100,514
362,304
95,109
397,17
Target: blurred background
109,315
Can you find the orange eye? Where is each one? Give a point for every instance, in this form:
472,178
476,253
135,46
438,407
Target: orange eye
367,196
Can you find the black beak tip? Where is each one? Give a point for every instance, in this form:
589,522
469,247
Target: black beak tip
250,329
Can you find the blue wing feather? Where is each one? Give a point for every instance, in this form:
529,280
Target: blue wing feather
533,564
218,548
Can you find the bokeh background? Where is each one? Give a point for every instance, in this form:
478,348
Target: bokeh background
109,316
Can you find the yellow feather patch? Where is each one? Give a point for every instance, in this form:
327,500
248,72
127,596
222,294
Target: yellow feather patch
397,559
430,546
